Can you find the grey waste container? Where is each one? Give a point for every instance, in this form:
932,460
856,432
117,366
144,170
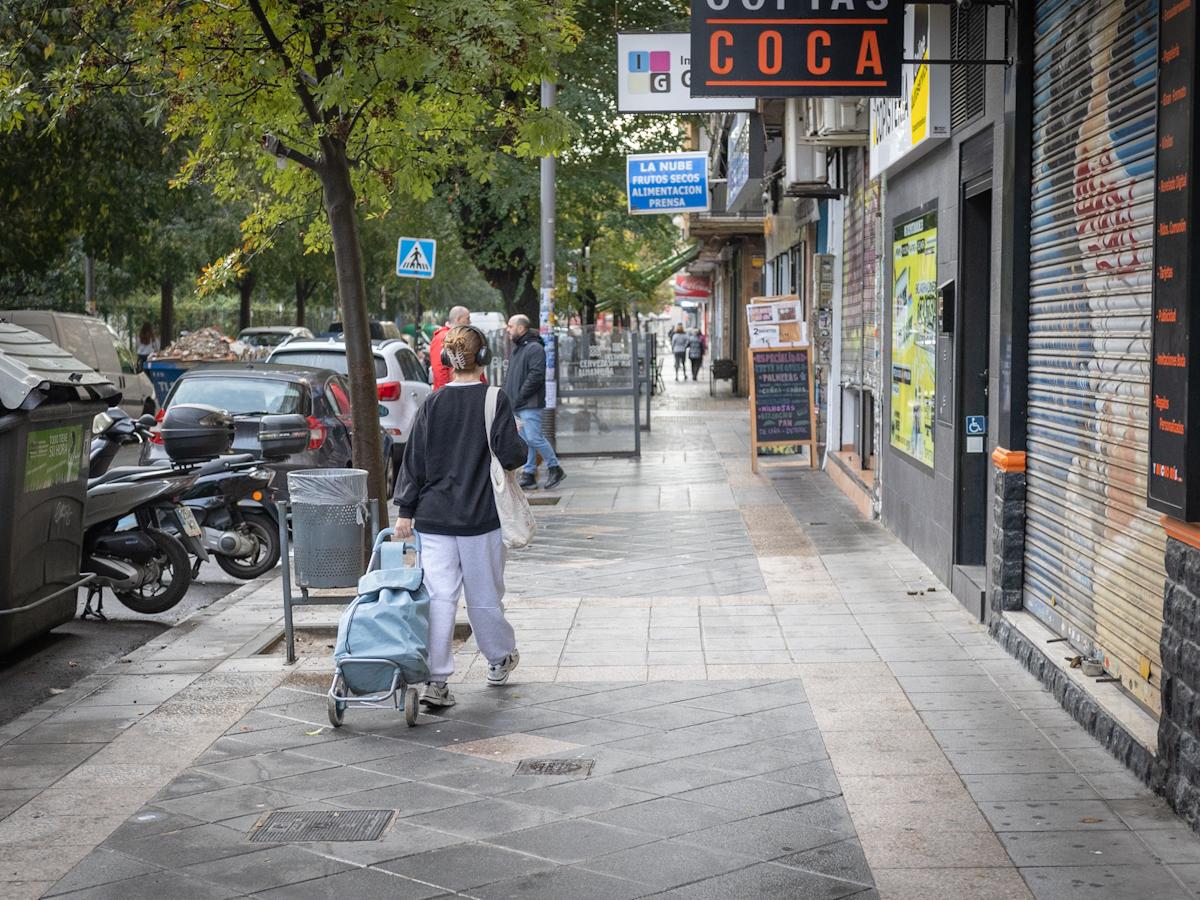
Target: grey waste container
47,402
330,525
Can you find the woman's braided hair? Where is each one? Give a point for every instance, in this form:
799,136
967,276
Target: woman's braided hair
462,345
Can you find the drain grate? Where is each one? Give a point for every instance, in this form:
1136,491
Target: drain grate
542,500
322,825
555,767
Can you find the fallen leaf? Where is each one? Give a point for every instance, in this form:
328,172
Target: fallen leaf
57,691
314,733
1090,820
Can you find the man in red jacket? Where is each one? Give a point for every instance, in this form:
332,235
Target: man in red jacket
443,375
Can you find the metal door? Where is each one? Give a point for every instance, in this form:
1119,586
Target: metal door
1093,551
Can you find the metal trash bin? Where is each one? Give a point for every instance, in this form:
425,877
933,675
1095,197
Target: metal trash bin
47,402
330,524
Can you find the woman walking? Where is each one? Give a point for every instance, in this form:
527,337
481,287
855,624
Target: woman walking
147,345
695,352
444,492
679,343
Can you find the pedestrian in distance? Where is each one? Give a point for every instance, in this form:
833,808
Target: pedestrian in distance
147,345
445,494
441,373
695,352
679,343
525,384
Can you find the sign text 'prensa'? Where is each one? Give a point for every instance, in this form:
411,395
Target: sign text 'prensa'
797,48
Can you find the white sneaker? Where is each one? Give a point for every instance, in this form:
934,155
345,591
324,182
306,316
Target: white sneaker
437,695
498,674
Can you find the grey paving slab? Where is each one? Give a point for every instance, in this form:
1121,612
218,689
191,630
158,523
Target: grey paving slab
1073,848
753,796
765,837
156,886
408,798
667,864
579,798
355,884
467,865
1103,882
1008,787
102,867
265,869
764,880
1052,815
484,819
666,816
573,840
565,881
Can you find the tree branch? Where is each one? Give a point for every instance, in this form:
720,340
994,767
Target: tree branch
302,91
276,147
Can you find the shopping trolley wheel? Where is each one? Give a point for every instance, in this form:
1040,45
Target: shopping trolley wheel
410,706
336,708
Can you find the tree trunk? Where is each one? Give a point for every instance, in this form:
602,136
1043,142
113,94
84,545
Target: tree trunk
166,312
303,291
589,307
352,296
245,289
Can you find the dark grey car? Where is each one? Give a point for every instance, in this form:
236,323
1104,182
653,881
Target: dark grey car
248,391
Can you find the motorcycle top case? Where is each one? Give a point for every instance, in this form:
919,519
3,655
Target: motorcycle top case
192,432
389,619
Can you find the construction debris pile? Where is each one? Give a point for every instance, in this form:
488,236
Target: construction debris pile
206,344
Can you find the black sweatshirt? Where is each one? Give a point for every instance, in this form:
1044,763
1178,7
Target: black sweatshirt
444,481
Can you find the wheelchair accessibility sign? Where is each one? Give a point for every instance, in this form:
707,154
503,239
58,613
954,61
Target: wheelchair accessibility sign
976,425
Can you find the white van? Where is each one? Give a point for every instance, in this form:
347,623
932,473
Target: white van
95,344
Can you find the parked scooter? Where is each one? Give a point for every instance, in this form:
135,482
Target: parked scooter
147,569
229,499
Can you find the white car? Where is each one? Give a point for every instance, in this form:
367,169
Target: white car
401,381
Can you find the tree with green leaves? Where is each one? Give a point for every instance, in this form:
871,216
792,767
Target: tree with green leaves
499,218
354,103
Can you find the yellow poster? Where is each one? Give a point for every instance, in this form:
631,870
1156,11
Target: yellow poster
914,336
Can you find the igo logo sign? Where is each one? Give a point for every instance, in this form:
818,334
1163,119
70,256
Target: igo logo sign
654,73
649,71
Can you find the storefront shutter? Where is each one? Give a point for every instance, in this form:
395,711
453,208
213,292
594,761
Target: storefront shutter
1094,552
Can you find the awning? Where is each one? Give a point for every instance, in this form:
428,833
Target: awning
652,276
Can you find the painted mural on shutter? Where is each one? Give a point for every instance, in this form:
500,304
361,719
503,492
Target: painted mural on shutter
1094,552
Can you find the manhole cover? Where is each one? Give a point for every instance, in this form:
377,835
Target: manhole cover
322,825
555,767
535,500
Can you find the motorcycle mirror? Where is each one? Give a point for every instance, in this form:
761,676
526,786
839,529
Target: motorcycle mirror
281,436
148,420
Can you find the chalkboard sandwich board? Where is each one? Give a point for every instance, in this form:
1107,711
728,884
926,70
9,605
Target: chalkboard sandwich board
781,407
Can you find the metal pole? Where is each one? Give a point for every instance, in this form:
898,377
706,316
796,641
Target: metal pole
89,284
546,307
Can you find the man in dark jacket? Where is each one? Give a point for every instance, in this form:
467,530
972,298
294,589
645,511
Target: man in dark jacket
525,385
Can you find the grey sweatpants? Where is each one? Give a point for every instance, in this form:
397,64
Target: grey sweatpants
474,566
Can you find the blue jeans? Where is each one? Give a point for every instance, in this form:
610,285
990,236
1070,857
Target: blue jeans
531,433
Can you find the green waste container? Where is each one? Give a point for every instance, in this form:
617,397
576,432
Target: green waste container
47,402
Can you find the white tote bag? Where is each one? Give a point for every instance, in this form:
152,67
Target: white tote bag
517,524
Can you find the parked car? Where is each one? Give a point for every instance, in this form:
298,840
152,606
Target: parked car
96,345
273,335
400,380
249,391
380,331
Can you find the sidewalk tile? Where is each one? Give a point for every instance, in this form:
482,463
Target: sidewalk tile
999,883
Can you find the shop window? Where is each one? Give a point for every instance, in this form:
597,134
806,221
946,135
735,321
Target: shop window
968,40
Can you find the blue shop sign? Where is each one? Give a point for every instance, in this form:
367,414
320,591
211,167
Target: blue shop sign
667,183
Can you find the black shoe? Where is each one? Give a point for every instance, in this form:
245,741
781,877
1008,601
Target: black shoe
554,477
528,480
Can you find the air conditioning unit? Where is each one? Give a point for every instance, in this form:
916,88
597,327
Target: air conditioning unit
805,171
836,121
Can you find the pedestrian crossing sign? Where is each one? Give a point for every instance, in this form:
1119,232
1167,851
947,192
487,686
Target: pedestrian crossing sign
416,257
